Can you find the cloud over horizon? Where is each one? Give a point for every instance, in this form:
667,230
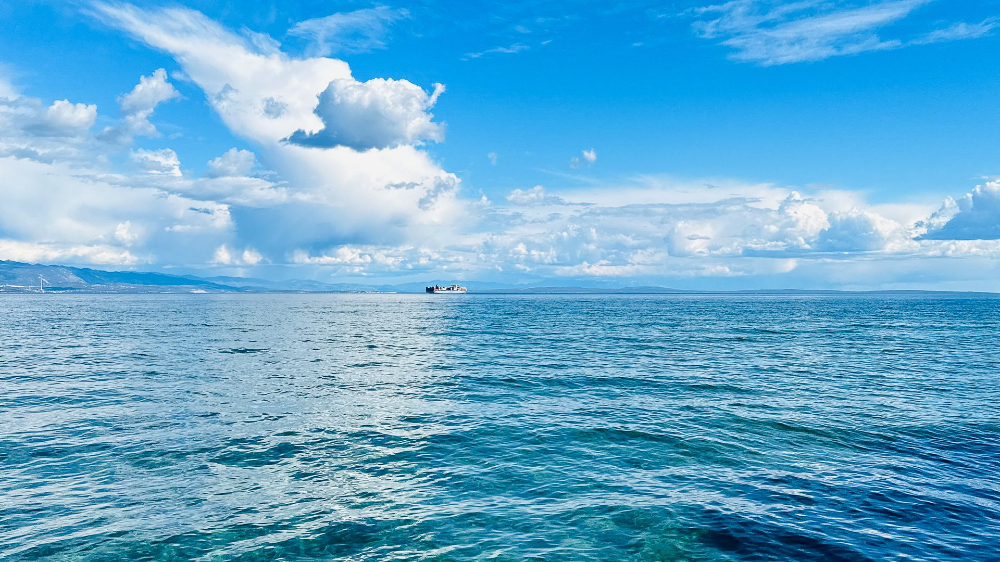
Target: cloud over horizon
332,174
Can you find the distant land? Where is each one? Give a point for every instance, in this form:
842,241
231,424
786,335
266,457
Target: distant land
18,277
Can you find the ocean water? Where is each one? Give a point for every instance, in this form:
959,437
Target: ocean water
414,427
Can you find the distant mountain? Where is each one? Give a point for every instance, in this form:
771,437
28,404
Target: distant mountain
288,285
17,277
26,277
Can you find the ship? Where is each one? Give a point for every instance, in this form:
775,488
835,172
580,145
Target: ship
453,290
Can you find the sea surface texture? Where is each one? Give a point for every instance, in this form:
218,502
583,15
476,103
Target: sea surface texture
421,427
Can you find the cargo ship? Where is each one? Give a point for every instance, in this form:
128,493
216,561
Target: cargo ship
452,290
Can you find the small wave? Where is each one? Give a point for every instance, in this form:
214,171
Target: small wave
240,350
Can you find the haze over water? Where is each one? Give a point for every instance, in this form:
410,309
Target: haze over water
409,427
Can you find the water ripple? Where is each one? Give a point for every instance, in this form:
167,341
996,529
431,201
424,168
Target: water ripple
399,427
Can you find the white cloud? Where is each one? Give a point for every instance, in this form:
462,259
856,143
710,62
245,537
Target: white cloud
958,31
588,156
238,77
265,96
222,256
65,119
138,105
975,216
359,31
859,230
25,121
244,191
28,133
61,204
31,252
251,256
233,163
61,132
163,161
7,90
262,42
148,93
358,259
659,228
77,214
512,49
772,33
379,113
800,221
534,196
492,157
125,234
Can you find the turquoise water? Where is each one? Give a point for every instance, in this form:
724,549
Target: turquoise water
414,427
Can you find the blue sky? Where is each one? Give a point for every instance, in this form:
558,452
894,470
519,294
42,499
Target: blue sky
750,143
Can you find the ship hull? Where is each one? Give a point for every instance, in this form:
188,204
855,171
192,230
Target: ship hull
445,292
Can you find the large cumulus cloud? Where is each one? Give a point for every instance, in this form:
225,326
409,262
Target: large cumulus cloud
60,212
975,216
362,137
62,200
379,113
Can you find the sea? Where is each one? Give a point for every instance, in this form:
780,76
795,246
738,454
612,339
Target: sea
259,427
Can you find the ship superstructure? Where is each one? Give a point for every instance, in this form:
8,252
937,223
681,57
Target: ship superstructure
453,289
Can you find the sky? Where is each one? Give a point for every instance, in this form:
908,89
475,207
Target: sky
737,145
